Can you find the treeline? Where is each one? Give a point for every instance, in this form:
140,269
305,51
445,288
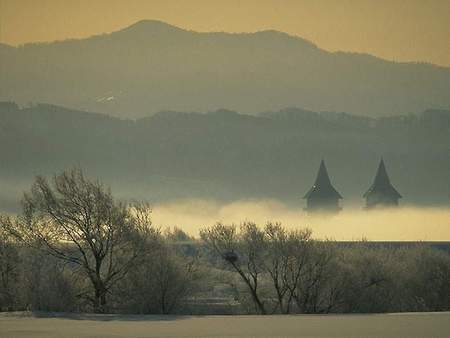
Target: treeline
75,248
286,271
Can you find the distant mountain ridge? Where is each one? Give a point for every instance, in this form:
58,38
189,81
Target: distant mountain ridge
226,155
152,66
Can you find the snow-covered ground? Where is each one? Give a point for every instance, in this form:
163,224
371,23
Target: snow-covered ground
409,325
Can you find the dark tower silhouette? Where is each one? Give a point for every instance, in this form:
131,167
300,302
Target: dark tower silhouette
322,196
381,193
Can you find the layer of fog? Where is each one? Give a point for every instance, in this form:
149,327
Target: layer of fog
401,224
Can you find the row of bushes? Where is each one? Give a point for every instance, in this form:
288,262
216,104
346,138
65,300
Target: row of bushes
31,279
187,278
285,271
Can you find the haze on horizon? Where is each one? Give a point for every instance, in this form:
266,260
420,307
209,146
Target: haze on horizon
397,30
353,223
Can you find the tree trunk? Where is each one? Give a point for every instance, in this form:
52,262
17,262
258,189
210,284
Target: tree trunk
253,291
99,292
100,300
260,305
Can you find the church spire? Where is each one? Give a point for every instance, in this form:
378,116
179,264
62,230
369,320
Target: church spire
381,178
322,194
322,178
381,192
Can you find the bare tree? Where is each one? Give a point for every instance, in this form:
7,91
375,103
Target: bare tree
276,262
257,255
287,253
314,278
242,251
79,221
9,266
173,279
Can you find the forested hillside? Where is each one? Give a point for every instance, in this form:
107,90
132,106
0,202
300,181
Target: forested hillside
152,66
226,155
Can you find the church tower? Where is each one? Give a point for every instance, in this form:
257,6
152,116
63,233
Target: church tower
322,196
381,193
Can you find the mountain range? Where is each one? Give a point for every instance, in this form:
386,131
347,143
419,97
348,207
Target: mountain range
225,155
152,66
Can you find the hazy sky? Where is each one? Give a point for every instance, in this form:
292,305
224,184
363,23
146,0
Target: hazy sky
403,30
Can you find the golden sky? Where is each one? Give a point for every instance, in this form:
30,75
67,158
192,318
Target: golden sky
402,30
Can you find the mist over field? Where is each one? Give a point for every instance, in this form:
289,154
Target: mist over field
407,223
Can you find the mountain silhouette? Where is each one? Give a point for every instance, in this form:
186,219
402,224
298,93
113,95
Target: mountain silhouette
226,155
152,66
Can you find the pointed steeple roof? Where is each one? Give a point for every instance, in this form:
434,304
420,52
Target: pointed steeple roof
322,186
382,184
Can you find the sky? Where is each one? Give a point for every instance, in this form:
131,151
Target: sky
400,30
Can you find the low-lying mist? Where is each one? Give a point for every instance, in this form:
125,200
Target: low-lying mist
401,224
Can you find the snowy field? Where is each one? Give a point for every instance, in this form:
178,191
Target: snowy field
423,325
